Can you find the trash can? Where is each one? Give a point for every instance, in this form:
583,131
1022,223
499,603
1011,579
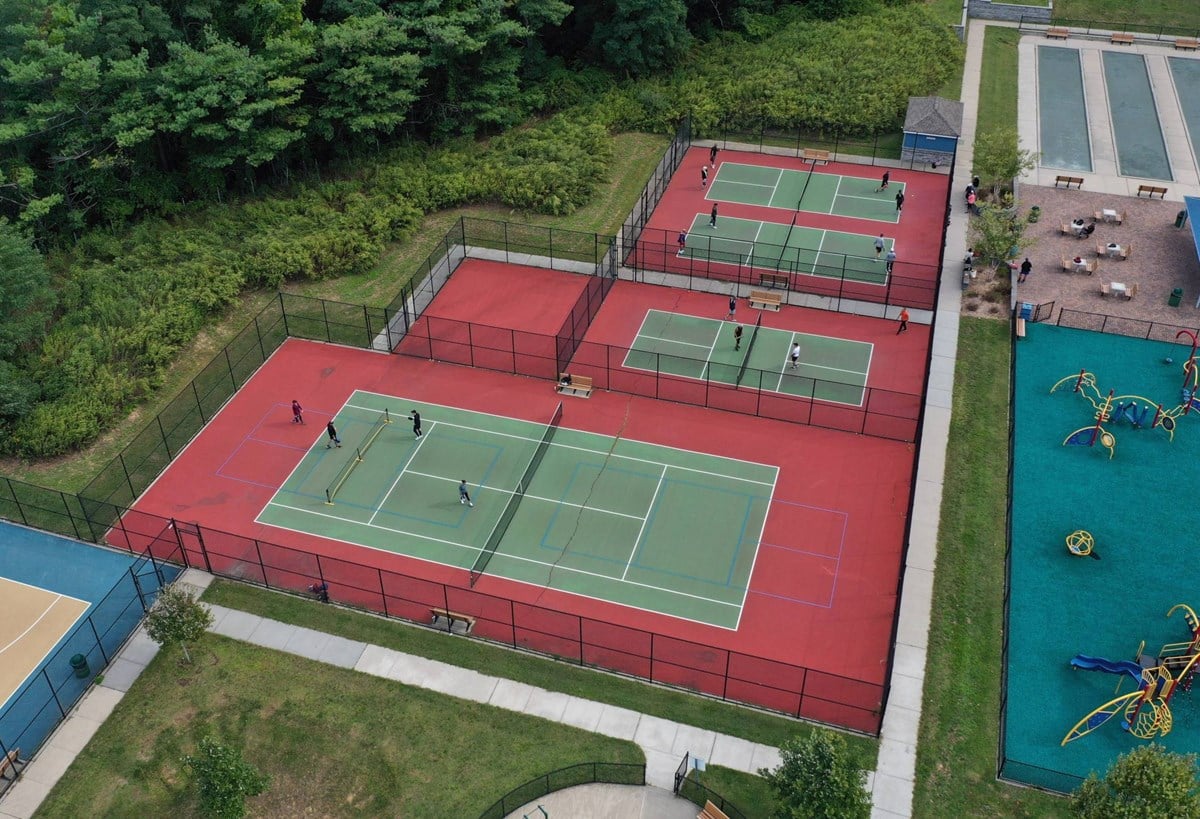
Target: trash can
1175,297
1026,310
1181,219
80,664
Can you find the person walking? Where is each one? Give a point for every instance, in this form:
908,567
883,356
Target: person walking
297,412
890,259
795,354
704,177
903,321
971,209
1026,269
416,419
883,183
879,245
732,308
682,241
712,155
464,495
712,220
737,337
899,201
334,440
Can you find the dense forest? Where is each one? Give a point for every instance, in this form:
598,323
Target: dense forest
157,158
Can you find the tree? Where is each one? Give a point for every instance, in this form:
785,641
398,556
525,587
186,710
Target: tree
817,779
177,617
26,298
1149,781
643,36
999,159
997,235
224,779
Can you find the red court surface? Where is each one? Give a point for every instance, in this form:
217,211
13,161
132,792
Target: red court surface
918,234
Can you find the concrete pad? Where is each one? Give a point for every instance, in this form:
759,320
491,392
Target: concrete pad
909,660
196,578
121,674
219,613
618,722
549,705
695,741
139,649
272,634
49,766
733,752
898,759
906,692
915,607
583,714
238,625
74,734
511,695
342,652
377,661
892,794
656,733
470,685
23,799
305,642
661,767
901,724
421,672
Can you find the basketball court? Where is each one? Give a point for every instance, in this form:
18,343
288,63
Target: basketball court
33,621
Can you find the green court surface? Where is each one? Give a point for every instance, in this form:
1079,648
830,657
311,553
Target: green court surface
829,369
805,191
647,526
790,249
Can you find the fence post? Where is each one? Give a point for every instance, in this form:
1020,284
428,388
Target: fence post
283,312
96,635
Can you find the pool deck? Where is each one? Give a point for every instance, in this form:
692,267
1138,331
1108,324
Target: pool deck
1105,176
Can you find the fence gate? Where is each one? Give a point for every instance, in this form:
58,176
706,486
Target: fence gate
1043,312
191,543
681,772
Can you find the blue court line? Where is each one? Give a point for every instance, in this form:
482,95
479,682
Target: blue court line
740,542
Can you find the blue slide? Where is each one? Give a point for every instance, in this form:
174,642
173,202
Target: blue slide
1107,666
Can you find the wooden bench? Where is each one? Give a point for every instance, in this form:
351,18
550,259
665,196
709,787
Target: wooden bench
765,301
1057,33
1152,191
775,280
580,385
453,617
1121,38
1077,181
814,155
1187,43
1020,328
711,811
8,765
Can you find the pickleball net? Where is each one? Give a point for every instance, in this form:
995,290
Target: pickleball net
514,500
359,453
749,349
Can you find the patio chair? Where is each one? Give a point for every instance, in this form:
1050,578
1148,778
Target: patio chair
1067,230
1105,290
1101,251
1125,251
1067,266
1131,291
1092,266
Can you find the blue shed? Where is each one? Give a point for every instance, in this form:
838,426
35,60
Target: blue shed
931,130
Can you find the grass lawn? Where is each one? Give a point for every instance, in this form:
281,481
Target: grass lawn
1145,15
956,755
334,742
749,793
998,80
757,726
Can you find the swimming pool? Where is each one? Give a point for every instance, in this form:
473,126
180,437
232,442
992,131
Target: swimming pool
1062,113
1186,73
1137,133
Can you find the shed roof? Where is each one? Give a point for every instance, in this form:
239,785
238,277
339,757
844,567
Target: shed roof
934,115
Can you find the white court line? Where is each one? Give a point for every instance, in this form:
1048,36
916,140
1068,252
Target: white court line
733,182
477,549
606,453
526,496
675,341
835,369
711,347
32,625
836,191
637,540
762,530
400,474
786,362
775,188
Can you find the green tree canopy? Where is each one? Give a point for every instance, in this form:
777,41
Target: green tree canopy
1146,783
817,779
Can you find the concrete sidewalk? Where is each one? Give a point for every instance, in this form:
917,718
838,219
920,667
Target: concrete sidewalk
662,741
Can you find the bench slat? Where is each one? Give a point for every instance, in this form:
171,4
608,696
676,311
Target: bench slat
1057,33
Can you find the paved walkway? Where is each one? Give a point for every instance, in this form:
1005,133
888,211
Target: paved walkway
662,741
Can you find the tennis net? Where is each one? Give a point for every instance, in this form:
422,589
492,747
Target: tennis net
749,348
359,453
510,509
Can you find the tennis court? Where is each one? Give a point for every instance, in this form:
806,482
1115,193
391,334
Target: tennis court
807,191
830,369
788,248
653,527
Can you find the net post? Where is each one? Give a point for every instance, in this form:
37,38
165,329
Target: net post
358,454
328,498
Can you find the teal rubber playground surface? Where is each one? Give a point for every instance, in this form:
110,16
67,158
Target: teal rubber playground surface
788,248
808,191
1140,508
653,527
829,369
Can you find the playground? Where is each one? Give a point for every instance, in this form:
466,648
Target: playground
1064,719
